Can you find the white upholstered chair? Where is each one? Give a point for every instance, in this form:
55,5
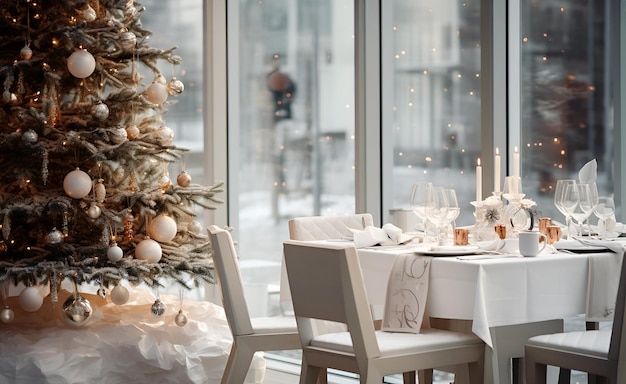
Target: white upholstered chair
327,227
249,334
326,283
597,352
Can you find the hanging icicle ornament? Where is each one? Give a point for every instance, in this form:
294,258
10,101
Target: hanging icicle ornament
100,191
81,64
77,184
119,295
54,288
102,292
175,87
44,166
129,220
183,179
148,250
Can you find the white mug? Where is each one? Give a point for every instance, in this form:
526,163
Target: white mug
529,243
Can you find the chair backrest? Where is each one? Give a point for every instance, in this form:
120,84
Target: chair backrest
327,227
326,284
618,336
229,278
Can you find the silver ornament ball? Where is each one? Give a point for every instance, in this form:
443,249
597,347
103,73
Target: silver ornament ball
175,87
94,211
158,308
100,111
181,318
128,40
77,310
7,315
30,137
54,237
118,135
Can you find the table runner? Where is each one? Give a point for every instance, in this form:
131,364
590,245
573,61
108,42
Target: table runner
407,291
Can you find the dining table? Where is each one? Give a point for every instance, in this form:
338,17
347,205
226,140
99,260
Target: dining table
503,298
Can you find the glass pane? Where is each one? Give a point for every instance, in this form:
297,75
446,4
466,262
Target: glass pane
431,96
566,118
295,113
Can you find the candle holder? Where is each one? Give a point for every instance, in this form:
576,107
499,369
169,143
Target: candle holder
487,213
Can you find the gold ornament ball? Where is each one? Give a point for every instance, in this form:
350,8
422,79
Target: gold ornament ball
181,318
183,179
175,87
81,64
132,132
156,93
119,295
26,53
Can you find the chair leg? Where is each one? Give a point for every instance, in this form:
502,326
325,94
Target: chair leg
425,376
322,378
409,378
310,374
238,364
565,376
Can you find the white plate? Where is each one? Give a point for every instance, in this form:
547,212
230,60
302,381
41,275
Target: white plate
452,250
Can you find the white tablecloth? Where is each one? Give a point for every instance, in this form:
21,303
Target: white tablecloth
120,344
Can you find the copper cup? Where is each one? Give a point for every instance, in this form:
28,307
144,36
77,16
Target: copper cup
461,236
544,222
553,233
500,230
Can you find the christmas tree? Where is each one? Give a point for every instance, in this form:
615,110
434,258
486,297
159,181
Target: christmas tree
85,192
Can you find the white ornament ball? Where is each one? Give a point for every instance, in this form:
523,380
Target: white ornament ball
163,228
94,211
77,184
118,135
119,295
195,227
88,14
156,93
81,64
26,53
181,318
148,250
115,253
31,299
7,315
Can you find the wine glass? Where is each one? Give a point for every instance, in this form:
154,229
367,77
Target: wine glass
453,210
584,208
604,210
420,200
438,211
512,190
569,202
559,192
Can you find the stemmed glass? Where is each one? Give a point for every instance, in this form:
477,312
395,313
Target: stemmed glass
604,210
584,208
453,210
559,193
438,211
420,200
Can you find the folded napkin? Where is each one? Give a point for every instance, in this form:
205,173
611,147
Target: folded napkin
407,291
389,234
589,172
604,271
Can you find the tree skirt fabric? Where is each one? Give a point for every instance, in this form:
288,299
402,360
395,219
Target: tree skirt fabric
119,344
